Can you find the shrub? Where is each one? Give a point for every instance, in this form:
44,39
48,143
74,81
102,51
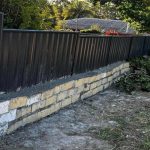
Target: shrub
139,78
95,28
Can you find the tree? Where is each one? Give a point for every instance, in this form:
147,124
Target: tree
102,2
137,13
77,9
25,14
40,14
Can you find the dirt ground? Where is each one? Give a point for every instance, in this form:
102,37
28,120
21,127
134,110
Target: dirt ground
110,120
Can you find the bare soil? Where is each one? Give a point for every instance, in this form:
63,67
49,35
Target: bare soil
110,120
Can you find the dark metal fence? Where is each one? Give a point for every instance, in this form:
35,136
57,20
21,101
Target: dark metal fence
137,47
30,57
96,51
119,49
1,24
91,53
146,49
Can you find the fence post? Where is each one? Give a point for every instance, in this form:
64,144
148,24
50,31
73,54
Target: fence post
143,49
130,48
75,53
108,52
1,24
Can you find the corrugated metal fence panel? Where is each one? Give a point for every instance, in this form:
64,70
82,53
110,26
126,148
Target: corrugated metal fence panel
137,46
1,24
30,57
119,49
147,45
91,53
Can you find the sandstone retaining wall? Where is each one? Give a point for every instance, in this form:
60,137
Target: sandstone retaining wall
22,110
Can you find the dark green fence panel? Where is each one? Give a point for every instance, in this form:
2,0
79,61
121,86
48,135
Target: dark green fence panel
119,48
137,46
1,24
91,53
147,46
30,57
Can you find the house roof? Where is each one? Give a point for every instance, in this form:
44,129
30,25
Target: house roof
85,23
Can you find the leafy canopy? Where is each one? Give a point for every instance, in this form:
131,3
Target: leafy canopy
44,14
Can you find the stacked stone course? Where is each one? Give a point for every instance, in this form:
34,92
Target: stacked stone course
20,111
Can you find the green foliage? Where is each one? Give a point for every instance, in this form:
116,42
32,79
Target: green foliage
145,144
141,62
77,9
25,14
139,78
95,28
111,134
41,14
137,13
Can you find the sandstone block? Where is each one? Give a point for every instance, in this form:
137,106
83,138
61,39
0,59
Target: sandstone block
57,107
48,111
66,102
34,99
96,90
103,75
86,95
51,100
105,80
17,102
75,98
72,91
14,126
99,83
110,78
30,119
86,87
62,96
38,105
23,111
92,79
4,106
67,86
57,89
8,117
3,128
79,82
98,77
47,94
93,85
121,66
80,89
114,71
116,74
106,85
108,73
126,65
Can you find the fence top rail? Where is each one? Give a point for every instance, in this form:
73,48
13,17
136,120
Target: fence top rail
114,36
39,31
82,35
